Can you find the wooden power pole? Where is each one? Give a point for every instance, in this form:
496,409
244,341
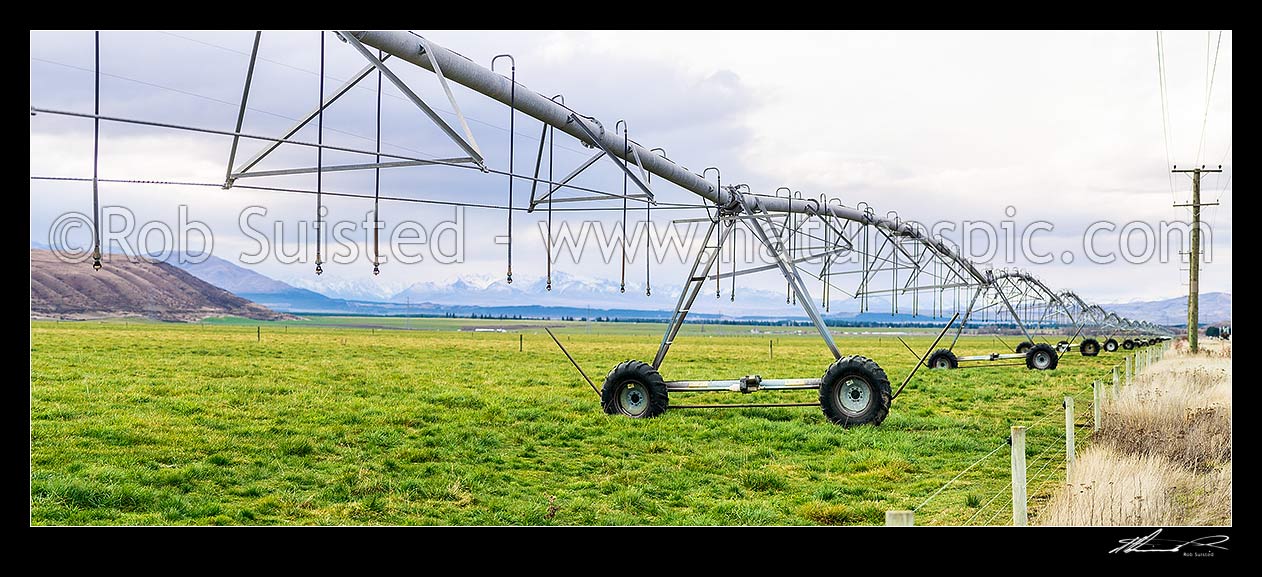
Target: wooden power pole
1194,253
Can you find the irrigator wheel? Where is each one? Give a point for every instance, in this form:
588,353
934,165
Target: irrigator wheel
1041,358
1024,347
1089,347
943,359
855,391
1128,344
1110,345
634,389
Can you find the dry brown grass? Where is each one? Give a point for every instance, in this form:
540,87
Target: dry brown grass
1163,454
1111,488
1181,410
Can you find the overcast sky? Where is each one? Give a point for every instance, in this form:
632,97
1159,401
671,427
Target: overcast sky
1064,127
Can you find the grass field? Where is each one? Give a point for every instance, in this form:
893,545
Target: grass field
148,423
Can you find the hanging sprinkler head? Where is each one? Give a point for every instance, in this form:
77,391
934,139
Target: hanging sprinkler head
319,269
622,288
510,276
375,269
96,264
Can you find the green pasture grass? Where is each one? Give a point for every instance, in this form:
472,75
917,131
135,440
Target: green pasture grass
155,423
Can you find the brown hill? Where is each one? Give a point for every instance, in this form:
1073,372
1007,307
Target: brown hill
122,288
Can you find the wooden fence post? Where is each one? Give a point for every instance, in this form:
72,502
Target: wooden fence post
1114,381
1069,436
1095,406
1130,363
1019,518
900,518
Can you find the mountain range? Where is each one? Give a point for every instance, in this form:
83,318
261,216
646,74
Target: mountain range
572,295
122,288
1213,308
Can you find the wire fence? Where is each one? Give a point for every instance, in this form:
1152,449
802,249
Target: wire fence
1047,455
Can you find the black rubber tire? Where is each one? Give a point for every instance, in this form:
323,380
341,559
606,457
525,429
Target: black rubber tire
634,374
1062,346
1110,345
1089,347
866,372
1035,359
1128,344
943,359
1024,347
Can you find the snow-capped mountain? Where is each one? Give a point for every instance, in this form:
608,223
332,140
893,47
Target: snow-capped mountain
574,291
365,288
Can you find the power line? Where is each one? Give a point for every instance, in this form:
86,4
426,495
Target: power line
1165,110
1223,162
1209,89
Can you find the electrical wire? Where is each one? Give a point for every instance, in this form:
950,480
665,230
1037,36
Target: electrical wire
1165,112
1209,89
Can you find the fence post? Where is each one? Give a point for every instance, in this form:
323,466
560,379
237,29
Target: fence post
1069,436
521,343
900,518
1018,477
1130,363
258,335
1095,406
1114,381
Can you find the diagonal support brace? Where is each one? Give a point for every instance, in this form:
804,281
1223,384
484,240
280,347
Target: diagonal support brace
469,147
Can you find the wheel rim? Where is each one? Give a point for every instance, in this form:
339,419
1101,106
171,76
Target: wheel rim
942,363
1042,360
633,399
853,395
1110,347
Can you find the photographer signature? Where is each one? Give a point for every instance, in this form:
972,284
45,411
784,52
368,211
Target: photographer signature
1149,544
